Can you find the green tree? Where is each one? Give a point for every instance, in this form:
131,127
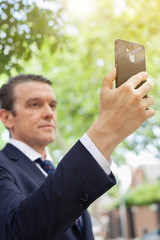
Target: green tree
23,27
144,195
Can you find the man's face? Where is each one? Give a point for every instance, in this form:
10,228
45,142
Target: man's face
36,118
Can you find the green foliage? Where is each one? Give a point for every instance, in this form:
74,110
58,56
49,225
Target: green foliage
23,28
144,195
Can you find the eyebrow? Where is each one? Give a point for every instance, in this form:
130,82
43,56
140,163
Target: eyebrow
39,99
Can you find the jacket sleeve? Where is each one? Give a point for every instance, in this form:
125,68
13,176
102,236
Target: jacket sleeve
53,207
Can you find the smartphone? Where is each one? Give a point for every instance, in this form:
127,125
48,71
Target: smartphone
129,60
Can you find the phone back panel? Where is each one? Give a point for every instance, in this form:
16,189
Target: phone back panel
129,60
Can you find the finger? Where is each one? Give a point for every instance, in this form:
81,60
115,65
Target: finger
145,88
137,79
149,113
147,102
109,78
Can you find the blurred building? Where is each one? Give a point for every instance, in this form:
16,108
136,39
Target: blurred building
133,222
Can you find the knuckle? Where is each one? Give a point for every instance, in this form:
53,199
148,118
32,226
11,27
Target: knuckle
152,99
141,109
144,75
134,94
127,88
142,115
150,85
137,97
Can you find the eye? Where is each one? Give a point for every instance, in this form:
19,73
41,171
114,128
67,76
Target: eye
34,104
53,106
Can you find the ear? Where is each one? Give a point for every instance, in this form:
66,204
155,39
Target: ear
7,118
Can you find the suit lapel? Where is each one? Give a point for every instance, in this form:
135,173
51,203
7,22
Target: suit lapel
14,154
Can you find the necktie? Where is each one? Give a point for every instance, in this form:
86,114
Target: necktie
79,225
48,167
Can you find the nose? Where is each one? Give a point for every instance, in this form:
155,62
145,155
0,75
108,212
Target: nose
49,112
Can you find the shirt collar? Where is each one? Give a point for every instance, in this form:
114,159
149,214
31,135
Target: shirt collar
28,151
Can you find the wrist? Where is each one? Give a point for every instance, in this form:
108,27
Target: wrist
103,138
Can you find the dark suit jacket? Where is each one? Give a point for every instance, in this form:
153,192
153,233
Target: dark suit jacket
33,207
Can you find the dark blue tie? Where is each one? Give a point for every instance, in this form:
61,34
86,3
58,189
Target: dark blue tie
46,165
79,225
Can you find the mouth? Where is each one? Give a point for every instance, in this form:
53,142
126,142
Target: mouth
50,126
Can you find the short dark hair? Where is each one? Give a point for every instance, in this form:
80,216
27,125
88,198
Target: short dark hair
7,96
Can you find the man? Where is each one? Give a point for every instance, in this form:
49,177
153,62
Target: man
36,207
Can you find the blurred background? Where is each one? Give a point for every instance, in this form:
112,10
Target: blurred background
71,42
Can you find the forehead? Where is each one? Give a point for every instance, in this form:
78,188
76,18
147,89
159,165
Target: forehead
32,89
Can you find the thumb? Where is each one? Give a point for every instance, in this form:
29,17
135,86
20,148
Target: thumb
109,78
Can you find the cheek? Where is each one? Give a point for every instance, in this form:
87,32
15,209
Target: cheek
28,125
34,119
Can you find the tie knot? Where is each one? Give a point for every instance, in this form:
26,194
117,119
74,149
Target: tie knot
46,165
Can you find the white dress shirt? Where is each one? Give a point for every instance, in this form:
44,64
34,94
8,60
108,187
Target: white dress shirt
102,161
85,140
